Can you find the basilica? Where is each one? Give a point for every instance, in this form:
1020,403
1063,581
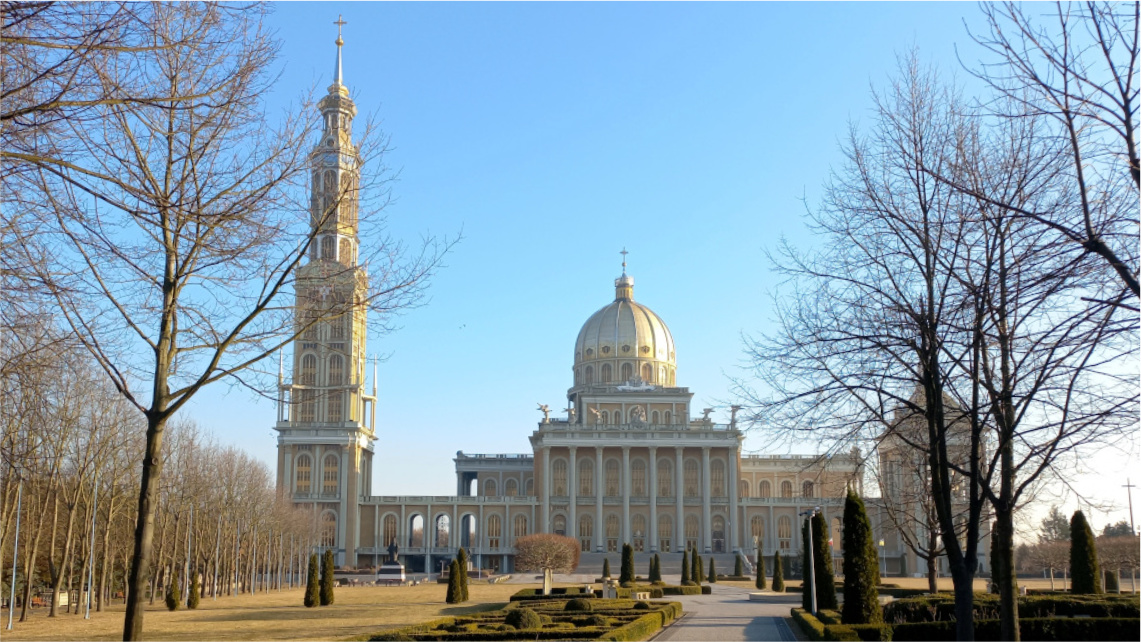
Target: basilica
629,462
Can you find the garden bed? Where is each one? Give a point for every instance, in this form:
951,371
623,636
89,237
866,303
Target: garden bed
548,619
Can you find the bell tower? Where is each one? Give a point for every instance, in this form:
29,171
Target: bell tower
326,418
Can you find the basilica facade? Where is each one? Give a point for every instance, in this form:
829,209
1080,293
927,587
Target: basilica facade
630,461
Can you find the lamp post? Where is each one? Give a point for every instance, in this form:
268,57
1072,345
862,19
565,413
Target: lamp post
811,572
883,561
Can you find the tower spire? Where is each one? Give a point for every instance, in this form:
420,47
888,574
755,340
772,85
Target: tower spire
340,22
624,285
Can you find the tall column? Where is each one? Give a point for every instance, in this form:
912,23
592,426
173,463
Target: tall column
626,495
599,532
545,518
735,518
679,496
653,481
706,520
572,492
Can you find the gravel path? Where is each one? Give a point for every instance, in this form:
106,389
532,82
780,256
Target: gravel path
728,614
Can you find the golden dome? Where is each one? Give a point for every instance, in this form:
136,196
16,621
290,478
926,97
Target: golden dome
624,341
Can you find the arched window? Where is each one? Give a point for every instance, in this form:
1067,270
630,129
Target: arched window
692,531
389,530
612,532
612,478
308,370
744,488
304,474
336,366
765,489
416,531
717,478
665,478
665,533
443,530
647,373
654,417
494,531
638,536
604,417
757,528
306,405
510,488
784,532
638,478
467,530
667,418
585,532
530,487
328,529
617,416
692,485
521,526
329,477
627,371
586,477
807,489
588,379
490,488
662,376
559,478
337,329
328,247
560,525
335,406
786,489
605,375
346,256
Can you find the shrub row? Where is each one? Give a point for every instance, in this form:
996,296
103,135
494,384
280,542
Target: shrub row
646,625
941,607
827,627
695,589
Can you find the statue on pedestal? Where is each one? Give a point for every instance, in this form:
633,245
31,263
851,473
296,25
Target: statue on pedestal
392,549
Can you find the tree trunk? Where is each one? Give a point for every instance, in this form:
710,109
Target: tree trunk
144,527
932,574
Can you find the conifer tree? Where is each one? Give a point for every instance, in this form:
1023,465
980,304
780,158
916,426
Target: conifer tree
684,568
173,591
761,583
657,576
808,578
462,560
1083,557
778,574
605,567
195,590
822,560
327,578
738,566
312,588
454,593
712,571
697,570
627,574
861,565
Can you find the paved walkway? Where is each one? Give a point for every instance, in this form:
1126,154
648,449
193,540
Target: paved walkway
728,614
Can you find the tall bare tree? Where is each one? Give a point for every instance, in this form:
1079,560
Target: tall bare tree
168,235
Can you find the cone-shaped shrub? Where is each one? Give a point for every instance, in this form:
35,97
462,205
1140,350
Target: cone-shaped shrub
822,552
453,594
697,570
327,578
778,574
738,566
627,574
195,590
712,571
173,593
605,567
761,582
808,579
684,568
312,584
655,568
861,565
1083,557
462,561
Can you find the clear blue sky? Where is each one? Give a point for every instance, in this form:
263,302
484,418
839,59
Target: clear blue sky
554,134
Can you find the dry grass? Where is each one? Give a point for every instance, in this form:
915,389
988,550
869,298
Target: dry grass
277,616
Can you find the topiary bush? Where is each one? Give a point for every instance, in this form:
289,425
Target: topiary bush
1083,557
312,591
641,606
627,572
861,565
778,574
523,619
579,604
685,568
327,578
172,593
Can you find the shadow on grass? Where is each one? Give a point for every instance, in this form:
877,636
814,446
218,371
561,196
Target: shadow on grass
474,608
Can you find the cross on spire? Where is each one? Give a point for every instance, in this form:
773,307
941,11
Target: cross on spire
340,22
623,253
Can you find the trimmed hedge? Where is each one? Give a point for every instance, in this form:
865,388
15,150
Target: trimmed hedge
941,607
1041,628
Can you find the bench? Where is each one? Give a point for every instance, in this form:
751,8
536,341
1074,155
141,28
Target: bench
642,595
